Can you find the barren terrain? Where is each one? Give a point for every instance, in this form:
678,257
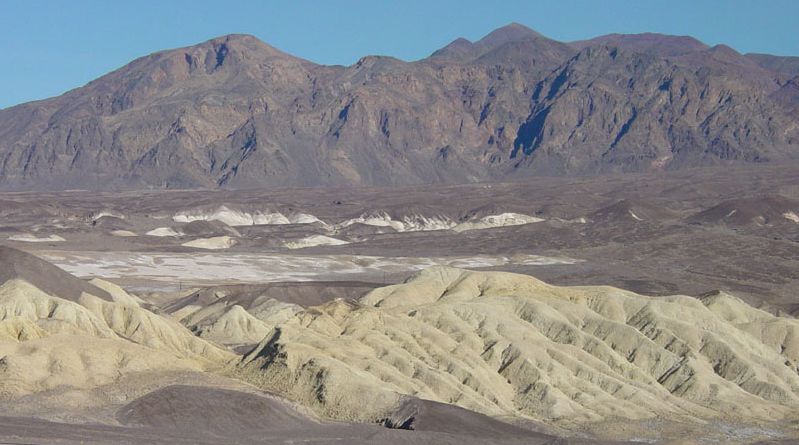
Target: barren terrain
265,322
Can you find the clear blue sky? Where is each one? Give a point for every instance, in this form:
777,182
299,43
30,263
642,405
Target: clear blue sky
52,46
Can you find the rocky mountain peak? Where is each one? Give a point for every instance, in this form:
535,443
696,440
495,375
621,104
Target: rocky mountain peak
463,49
236,112
508,33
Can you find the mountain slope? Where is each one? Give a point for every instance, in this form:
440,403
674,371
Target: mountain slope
236,112
651,43
785,65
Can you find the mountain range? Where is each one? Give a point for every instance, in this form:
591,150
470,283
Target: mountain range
235,112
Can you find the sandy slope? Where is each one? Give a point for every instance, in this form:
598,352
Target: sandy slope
56,330
314,240
213,243
78,361
507,344
30,238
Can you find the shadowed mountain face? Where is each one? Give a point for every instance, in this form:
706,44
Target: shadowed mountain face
236,112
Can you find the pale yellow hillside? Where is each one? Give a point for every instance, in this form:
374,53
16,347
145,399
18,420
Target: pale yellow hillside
78,361
507,344
228,323
84,335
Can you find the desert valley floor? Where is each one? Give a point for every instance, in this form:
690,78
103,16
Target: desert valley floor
668,313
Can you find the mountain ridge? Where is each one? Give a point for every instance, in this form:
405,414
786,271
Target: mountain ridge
235,112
